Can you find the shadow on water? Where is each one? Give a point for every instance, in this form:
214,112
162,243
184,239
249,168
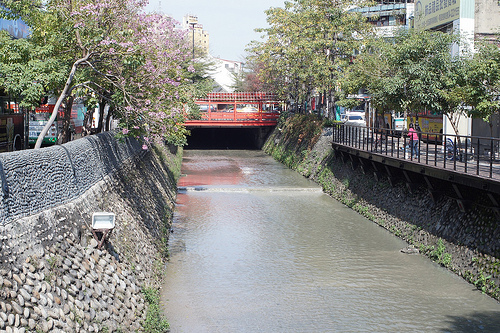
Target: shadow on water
475,322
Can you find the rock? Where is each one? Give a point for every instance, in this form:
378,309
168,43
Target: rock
43,313
53,314
93,243
20,299
17,278
31,324
62,316
86,265
25,294
410,250
64,294
26,313
43,300
17,308
67,279
79,304
7,283
102,315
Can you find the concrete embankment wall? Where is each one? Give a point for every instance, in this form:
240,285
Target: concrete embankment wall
466,243
53,277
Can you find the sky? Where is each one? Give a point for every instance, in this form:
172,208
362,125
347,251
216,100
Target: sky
230,23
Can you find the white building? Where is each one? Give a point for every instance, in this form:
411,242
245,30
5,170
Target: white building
223,72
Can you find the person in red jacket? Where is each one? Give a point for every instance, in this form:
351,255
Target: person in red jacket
413,141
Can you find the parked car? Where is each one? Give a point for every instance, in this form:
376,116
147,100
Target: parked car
355,119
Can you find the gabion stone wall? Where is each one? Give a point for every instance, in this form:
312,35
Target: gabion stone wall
35,180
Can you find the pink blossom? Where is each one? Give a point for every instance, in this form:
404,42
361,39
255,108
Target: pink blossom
125,131
145,147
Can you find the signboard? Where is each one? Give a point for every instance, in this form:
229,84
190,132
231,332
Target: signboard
433,13
11,132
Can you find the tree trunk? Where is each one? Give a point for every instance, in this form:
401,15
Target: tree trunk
108,119
102,106
87,123
330,105
62,96
66,130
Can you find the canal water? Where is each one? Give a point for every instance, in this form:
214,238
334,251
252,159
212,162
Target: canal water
258,248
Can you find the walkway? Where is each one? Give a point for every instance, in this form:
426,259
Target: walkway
472,158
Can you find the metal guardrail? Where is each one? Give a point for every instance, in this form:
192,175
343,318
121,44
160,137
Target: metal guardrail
474,155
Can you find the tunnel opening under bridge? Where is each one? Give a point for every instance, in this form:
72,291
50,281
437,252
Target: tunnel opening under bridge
228,137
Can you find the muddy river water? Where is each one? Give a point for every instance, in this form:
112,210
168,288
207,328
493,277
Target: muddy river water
258,248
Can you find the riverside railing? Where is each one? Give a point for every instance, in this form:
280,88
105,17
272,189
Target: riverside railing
475,155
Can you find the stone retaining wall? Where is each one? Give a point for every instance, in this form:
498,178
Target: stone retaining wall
34,180
466,243
52,275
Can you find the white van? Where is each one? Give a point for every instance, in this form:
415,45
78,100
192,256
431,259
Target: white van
355,119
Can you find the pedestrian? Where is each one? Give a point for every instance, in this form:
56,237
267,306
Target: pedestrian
413,141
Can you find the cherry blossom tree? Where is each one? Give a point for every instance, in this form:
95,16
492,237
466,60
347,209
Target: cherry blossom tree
135,62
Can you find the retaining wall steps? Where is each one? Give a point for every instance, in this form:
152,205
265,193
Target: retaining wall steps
71,289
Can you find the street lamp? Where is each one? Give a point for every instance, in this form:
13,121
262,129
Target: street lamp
193,24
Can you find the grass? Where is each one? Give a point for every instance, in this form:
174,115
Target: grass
155,321
439,255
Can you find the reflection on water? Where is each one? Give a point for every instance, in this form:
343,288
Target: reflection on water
257,248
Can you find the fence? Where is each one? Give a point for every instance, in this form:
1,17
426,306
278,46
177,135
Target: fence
479,156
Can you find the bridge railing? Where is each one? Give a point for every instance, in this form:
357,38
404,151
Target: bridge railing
237,115
244,108
475,155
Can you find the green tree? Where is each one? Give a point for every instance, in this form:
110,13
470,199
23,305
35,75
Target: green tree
28,71
134,62
411,73
482,88
307,44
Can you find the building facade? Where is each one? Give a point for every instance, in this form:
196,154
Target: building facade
387,17
224,73
197,36
474,20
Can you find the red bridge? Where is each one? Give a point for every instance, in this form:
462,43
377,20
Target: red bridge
254,109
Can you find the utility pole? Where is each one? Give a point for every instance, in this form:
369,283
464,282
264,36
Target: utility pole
192,25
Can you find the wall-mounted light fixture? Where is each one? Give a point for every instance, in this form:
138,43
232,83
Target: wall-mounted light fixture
102,225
